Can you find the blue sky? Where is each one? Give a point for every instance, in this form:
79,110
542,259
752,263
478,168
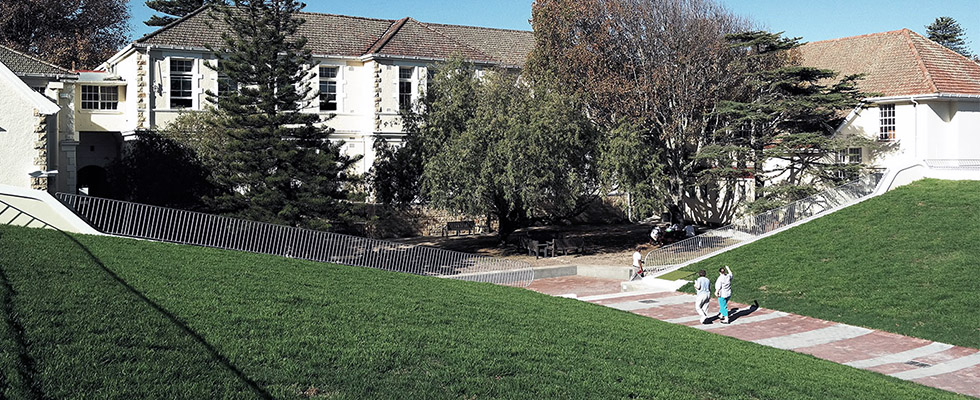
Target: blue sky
812,20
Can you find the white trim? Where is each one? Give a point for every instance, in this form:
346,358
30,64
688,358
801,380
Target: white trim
920,97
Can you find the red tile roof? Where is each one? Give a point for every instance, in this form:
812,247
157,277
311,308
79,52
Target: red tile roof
341,35
896,63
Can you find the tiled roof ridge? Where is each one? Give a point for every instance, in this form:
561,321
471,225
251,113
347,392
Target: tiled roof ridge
861,36
478,27
907,34
387,36
471,48
172,24
349,16
33,58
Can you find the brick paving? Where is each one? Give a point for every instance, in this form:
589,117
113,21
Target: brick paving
935,364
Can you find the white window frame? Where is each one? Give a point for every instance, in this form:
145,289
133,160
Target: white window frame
189,76
337,81
106,98
411,82
886,121
850,155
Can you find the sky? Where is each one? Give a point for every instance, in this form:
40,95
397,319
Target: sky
812,20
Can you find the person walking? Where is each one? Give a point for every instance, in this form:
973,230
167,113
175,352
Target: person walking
703,286
723,290
638,263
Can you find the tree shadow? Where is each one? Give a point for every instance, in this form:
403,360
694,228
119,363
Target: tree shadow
28,366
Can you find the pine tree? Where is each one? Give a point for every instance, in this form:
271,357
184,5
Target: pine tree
947,32
277,160
173,8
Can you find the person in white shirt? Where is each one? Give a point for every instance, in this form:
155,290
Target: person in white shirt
638,262
703,286
723,290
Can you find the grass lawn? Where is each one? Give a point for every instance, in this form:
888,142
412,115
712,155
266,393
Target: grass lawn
904,262
136,319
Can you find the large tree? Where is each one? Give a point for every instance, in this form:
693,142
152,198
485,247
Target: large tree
651,73
780,126
276,159
70,33
496,146
947,32
173,9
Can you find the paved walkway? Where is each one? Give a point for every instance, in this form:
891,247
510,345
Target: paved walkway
935,364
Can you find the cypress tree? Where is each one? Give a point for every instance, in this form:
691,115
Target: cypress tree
277,160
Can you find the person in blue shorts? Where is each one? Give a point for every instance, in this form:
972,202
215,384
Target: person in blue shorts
723,290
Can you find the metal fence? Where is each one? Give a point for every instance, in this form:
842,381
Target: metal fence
179,226
744,229
10,215
960,164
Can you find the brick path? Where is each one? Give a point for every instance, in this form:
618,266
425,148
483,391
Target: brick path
935,364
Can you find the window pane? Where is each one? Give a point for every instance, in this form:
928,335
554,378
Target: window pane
181,103
178,65
405,72
328,72
328,96
109,93
180,86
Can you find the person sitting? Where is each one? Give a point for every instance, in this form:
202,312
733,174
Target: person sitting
656,235
689,231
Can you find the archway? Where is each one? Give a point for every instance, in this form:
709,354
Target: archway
94,178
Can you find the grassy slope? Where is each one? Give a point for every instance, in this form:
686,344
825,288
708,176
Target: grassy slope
904,262
290,327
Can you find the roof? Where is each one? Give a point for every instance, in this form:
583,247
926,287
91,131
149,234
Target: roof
346,36
896,63
42,104
23,64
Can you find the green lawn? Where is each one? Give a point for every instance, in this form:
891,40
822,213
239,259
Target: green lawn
904,262
139,319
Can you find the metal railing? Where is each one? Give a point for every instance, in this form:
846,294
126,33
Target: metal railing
10,215
962,164
747,228
143,221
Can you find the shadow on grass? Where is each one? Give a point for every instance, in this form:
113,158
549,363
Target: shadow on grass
27,367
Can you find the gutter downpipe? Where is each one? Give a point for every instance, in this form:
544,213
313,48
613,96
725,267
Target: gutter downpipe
915,128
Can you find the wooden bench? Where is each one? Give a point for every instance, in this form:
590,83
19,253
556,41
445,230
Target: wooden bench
459,226
564,245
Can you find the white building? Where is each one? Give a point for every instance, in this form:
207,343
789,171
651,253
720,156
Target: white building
37,136
366,70
926,100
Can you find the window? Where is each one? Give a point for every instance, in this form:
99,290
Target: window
851,155
226,86
328,88
181,83
405,87
887,117
100,97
